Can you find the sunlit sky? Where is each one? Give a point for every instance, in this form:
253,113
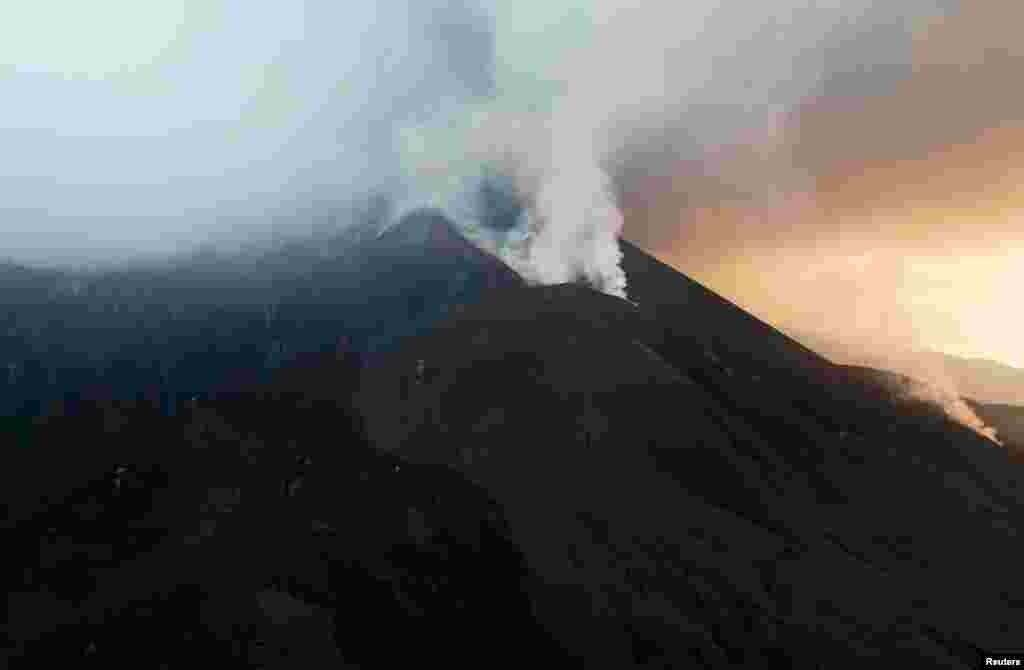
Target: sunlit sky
961,304
935,261
903,224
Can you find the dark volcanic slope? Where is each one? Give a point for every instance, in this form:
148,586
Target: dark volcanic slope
1008,420
542,475
690,485
259,530
690,310
176,332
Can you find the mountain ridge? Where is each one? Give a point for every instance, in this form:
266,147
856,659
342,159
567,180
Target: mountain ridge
982,380
480,469
799,478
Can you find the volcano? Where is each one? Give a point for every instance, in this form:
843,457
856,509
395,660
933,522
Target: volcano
490,472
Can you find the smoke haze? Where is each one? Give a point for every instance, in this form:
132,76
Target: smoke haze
147,133
746,143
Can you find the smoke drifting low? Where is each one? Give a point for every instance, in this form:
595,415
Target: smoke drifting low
142,134
717,131
236,122
223,123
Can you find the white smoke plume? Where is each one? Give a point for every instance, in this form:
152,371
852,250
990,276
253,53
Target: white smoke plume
939,390
875,329
573,223
535,132
587,89
259,119
928,379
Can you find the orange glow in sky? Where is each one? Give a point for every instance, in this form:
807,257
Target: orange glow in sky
925,254
893,217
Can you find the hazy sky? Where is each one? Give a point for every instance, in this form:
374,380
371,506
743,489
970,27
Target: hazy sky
843,167
899,221
130,127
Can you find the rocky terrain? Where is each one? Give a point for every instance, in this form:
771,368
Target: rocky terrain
476,471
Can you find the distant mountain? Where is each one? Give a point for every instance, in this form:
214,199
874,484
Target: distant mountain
993,391
1008,420
485,472
986,381
980,379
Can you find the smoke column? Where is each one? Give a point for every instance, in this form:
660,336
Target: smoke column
133,134
532,133
588,94
936,386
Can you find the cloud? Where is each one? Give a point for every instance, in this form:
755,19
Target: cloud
227,123
908,133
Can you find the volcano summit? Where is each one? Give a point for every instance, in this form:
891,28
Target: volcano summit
430,459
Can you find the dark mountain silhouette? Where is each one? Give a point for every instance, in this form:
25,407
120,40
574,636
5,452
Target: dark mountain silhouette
195,328
901,392
983,381
466,469
790,511
1008,420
